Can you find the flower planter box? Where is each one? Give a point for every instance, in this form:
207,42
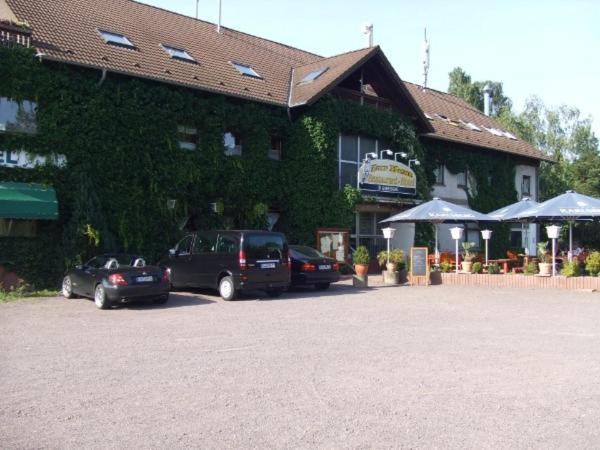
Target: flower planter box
516,281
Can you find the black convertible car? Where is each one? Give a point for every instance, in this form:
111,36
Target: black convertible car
116,278
310,266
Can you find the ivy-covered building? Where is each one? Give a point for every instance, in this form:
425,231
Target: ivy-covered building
144,122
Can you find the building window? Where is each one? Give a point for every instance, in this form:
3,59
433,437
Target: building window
18,117
178,53
461,179
348,174
313,75
276,148
472,233
187,137
18,228
526,185
116,39
246,70
439,174
516,237
232,143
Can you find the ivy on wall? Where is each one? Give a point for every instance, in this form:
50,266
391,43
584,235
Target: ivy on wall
124,163
491,182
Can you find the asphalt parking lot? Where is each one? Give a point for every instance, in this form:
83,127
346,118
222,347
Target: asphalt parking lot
386,367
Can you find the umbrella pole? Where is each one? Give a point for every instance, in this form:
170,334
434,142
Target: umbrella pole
570,241
437,253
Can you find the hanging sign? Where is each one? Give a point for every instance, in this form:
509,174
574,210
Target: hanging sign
385,176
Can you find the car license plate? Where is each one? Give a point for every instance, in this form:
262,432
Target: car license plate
144,279
267,266
325,267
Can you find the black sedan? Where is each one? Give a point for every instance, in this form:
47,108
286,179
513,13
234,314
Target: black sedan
116,278
310,267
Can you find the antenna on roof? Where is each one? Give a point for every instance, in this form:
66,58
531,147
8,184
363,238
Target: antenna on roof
425,60
219,24
367,29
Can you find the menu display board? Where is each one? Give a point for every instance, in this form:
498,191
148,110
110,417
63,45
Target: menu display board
333,242
419,265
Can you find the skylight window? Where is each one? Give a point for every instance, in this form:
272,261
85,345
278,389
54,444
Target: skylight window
116,39
246,70
178,53
314,75
470,125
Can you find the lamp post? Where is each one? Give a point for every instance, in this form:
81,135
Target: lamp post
388,233
553,232
486,235
456,233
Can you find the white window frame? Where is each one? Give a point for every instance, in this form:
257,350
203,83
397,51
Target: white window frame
191,133
246,70
178,53
120,39
236,149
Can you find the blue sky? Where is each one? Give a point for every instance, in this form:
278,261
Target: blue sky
548,48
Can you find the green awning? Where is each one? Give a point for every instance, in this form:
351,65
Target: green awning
27,201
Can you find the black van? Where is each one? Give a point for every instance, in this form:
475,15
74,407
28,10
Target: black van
231,261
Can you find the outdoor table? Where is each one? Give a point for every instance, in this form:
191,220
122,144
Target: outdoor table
503,261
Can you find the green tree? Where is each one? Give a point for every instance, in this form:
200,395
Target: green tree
461,85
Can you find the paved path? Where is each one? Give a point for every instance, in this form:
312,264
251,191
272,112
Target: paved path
388,367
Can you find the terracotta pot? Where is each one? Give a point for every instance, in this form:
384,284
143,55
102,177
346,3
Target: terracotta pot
545,269
391,267
361,269
466,266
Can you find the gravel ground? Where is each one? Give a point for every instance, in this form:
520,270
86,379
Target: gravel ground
438,366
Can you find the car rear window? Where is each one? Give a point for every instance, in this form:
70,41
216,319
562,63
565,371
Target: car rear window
306,252
264,246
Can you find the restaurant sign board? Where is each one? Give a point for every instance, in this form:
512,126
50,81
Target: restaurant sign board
24,160
385,177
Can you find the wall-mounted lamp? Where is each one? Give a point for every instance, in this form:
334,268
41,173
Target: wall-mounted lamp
402,155
416,162
385,152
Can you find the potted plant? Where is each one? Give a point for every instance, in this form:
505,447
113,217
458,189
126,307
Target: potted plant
468,256
396,259
361,260
545,264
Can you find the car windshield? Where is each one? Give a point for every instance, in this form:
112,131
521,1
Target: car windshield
267,246
100,261
306,252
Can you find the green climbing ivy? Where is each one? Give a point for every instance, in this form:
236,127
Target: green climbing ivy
491,181
124,163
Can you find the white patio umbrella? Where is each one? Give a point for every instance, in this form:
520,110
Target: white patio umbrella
438,211
568,207
505,215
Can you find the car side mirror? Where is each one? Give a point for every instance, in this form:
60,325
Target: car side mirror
172,252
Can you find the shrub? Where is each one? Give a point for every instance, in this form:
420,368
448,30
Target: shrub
592,264
396,257
571,269
361,255
543,253
445,266
530,269
477,267
493,269
467,246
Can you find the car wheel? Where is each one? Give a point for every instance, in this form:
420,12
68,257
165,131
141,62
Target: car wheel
274,293
67,287
100,297
161,300
322,286
227,289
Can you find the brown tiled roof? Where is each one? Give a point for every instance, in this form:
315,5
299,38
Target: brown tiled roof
67,31
454,109
335,67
